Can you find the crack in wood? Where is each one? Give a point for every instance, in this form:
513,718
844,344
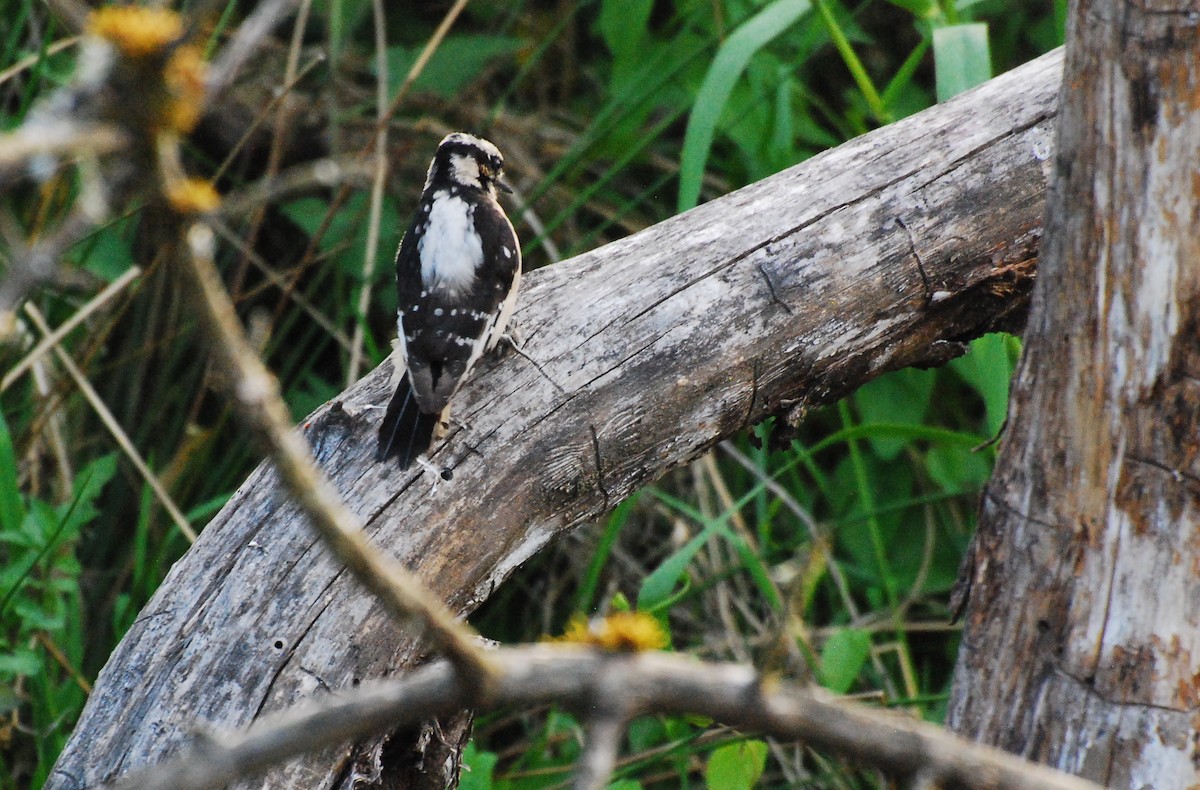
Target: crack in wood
599,467
771,287
1178,475
1091,690
996,500
912,247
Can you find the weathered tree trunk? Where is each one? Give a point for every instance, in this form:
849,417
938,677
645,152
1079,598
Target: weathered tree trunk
1083,633
886,252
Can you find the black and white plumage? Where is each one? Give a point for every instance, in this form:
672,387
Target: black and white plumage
457,274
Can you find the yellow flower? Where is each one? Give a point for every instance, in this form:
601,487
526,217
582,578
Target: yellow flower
620,631
135,30
193,196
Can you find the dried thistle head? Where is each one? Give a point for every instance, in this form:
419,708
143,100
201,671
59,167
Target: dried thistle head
629,632
137,31
142,52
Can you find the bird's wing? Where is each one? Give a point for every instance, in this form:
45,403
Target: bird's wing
445,330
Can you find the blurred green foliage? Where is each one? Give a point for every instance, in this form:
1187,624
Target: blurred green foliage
832,559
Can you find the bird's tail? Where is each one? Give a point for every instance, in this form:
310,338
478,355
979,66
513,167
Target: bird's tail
406,431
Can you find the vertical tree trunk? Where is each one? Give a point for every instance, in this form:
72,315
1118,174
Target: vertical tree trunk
1082,640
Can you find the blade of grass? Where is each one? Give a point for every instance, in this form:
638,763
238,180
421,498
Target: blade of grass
899,431
723,74
12,507
961,58
904,75
853,63
586,596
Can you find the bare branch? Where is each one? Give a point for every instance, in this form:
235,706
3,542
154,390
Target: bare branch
647,683
54,139
606,711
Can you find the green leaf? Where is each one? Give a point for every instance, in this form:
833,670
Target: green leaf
988,367
723,74
21,661
477,768
89,484
107,254
843,657
736,766
623,25
956,470
456,62
625,784
961,58
899,398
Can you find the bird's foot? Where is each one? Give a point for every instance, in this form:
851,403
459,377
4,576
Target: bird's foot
510,340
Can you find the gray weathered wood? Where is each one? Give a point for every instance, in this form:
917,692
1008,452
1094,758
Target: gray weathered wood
882,253
1083,634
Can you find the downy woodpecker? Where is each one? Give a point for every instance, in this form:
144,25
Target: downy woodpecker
457,273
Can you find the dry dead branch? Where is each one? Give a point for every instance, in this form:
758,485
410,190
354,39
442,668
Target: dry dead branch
609,687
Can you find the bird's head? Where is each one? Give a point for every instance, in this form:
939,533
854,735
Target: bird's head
467,161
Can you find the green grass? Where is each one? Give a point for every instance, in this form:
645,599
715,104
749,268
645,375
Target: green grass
831,559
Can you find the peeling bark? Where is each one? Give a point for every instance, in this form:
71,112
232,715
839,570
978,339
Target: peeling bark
1082,639
889,251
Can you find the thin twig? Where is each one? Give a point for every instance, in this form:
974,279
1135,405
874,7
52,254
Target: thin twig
255,396
247,38
298,180
32,60
284,117
422,60
114,428
261,116
52,139
650,683
530,218
97,301
281,282
54,431
61,658
371,249
820,541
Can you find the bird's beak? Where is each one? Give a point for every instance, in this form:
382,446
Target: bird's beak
503,187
